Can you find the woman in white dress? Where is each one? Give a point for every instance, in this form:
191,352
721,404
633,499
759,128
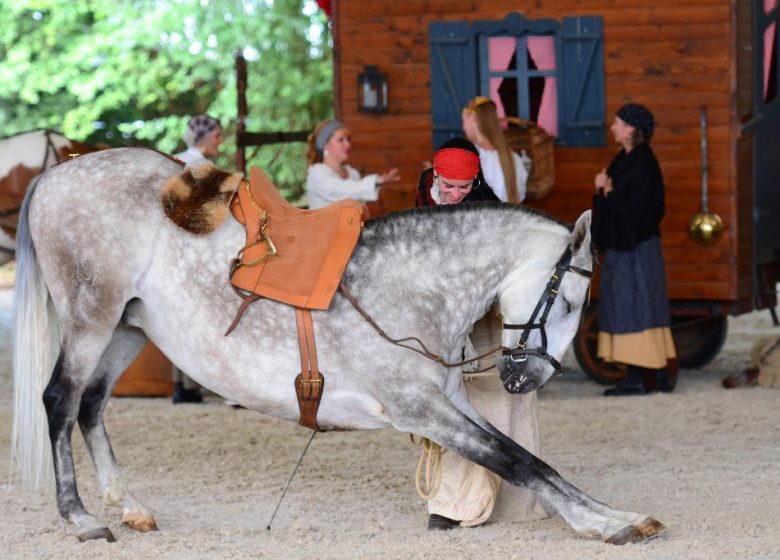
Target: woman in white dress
503,169
202,138
329,177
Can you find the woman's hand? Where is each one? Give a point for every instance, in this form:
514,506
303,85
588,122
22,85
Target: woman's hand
391,176
601,179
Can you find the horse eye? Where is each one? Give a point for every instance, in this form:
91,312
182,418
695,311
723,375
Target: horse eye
568,305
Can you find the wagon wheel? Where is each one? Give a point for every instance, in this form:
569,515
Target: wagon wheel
585,346
697,340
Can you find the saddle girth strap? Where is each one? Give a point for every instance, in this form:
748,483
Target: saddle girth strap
310,382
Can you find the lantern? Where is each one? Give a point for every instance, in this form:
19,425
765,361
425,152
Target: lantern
372,90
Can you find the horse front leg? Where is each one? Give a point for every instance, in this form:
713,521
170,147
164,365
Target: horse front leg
439,420
125,345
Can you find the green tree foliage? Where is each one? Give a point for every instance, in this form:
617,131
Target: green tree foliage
133,71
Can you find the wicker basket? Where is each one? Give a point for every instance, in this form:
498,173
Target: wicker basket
538,145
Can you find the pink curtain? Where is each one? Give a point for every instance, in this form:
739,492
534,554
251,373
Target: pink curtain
500,51
542,50
769,42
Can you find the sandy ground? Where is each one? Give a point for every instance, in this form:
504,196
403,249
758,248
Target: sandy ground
702,460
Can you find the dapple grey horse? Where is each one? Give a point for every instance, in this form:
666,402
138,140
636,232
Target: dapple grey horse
101,269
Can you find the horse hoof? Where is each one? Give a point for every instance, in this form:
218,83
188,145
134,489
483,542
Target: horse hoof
97,534
651,528
139,522
629,534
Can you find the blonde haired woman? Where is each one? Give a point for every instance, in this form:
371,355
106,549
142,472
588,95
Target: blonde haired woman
329,177
503,169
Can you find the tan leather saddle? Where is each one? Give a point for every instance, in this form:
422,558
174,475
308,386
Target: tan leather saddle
297,257
292,255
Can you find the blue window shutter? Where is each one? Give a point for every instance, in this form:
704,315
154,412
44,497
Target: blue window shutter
581,110
453,76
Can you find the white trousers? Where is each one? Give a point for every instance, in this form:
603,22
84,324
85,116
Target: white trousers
470,493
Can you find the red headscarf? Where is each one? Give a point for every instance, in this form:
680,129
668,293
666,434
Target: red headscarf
455,163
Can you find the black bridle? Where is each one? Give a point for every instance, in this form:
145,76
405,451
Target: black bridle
520,353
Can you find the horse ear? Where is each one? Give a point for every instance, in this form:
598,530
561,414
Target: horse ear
580,235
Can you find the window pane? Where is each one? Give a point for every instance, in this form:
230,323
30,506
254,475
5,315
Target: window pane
500,52
503,91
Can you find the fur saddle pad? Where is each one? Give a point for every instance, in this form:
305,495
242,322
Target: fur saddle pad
291,255
312,247
197,198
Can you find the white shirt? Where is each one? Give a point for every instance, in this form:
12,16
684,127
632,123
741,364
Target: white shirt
494,175
324,186
191,156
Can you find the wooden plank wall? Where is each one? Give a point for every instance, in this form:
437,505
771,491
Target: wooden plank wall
668,55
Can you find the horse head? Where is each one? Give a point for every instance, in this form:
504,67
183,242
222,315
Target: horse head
539,329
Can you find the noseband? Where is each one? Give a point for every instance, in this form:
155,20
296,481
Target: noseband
520,353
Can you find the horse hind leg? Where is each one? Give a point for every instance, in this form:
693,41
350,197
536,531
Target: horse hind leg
439,420
75,382
62,399
125,345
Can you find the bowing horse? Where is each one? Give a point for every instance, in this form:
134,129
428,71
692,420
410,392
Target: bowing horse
101,269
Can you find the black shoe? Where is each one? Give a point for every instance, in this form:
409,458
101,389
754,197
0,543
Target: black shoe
182,395
623,390
664,381
440,523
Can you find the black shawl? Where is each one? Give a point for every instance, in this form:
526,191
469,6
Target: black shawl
632,212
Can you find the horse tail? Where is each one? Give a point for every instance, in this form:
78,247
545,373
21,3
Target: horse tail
37,342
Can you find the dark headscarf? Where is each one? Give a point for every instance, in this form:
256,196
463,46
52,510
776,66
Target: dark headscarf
639,117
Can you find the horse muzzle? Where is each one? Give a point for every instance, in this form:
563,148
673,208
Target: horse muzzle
515,375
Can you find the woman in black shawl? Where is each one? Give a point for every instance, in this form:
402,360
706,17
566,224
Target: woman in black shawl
634,313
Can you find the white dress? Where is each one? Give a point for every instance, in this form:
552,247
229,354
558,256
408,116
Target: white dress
324,186
494,175
191,156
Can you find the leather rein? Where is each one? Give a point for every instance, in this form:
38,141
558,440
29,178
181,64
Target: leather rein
520,353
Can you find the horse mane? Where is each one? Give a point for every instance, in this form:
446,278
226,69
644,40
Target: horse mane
387,225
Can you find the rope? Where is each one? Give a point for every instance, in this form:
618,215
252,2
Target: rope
430,456
287,486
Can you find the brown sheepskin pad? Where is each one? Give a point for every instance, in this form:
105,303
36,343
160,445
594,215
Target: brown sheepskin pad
197,198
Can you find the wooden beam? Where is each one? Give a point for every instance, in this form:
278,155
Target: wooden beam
245,139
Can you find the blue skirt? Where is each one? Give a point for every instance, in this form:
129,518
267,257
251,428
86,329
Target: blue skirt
632,292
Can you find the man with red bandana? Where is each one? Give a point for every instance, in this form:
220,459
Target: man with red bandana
469,494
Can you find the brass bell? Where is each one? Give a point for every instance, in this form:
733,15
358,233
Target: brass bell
705,228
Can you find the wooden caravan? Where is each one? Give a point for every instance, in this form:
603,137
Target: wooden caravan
569,65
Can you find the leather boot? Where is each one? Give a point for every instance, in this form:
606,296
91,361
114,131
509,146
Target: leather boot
438,522
664,381
633,384
182,395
